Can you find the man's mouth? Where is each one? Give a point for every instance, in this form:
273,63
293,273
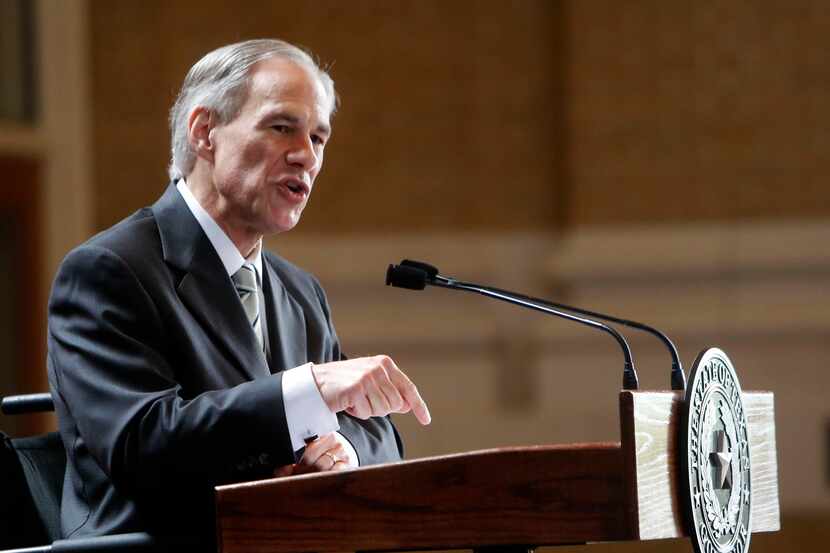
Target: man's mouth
297,188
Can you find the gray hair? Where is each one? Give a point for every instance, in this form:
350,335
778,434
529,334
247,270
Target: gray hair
219,82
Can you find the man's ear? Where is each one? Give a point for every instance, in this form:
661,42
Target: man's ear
199,127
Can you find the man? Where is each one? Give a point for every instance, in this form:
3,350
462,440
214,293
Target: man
181,355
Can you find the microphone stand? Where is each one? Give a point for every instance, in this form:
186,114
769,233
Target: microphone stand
630,380
416,275
678,377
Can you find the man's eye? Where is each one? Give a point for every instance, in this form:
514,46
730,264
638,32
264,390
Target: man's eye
281,128
317,139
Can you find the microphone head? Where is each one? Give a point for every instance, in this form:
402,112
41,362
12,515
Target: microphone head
402,276
430,270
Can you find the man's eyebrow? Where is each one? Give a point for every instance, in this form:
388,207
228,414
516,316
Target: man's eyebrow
279,114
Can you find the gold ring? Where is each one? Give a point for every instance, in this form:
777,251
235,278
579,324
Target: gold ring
332,457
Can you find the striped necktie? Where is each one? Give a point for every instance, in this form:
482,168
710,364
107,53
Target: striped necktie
245,282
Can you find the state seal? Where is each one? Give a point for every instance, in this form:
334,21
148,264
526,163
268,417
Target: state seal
715,457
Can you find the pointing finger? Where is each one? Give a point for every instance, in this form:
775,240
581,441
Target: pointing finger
410,393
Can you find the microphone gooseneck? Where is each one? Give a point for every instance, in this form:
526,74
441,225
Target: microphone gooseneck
414,275
678,377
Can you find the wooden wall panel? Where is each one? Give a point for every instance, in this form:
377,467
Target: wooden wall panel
24,336
447,119
487,116
697,110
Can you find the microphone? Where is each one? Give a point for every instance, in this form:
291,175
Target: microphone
403,276
678,377
414,275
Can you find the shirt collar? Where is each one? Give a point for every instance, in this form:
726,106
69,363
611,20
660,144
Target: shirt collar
225,248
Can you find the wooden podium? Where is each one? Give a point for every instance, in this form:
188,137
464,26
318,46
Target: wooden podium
518,496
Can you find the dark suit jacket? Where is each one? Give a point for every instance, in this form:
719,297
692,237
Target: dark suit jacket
160,386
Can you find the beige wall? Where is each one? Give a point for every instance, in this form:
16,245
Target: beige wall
496,376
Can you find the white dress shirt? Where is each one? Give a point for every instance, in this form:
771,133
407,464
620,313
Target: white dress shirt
306,413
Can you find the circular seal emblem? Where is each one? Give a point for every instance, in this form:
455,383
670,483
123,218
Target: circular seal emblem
715,457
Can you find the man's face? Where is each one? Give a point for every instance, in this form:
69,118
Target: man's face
266,159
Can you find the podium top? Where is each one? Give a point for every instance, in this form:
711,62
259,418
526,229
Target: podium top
536,495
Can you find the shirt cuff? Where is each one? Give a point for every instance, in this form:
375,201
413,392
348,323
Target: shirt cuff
306,414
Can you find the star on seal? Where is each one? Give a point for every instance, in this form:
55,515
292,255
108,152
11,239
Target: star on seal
721,459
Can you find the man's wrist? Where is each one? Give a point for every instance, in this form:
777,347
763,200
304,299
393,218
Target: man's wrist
317,373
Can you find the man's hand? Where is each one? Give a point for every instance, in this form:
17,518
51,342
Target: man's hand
369,387
321,455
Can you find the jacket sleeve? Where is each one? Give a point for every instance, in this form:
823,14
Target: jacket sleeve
112,379
376,440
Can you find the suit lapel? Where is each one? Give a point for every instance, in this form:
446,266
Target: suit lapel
205,288
286,323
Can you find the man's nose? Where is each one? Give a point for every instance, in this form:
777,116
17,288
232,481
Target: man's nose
302,153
